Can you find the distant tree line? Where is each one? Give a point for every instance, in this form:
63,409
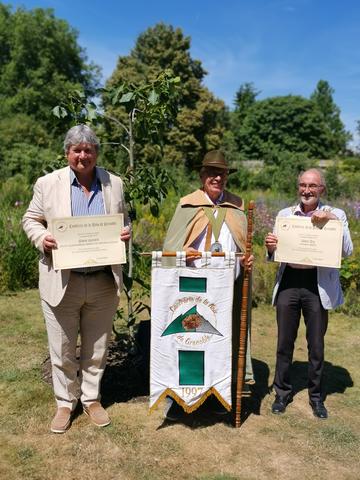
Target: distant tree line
41,63
42,66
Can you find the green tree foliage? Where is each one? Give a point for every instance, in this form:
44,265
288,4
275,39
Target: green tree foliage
40,60
358,134
337,136
280,172
23,147
18,258
151,109
278,124
245,97
199,123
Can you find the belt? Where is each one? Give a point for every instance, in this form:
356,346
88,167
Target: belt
87,273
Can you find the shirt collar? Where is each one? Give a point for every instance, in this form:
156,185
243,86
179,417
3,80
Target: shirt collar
299,211
219,200
75,181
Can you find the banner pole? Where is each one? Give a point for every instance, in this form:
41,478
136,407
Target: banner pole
243,317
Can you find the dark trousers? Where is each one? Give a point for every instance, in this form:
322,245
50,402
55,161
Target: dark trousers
298,293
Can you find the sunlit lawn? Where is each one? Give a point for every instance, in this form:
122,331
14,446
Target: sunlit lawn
139,446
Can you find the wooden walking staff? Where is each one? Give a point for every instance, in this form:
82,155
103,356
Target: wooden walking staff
243,317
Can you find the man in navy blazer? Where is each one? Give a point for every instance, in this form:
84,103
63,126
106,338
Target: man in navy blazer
309,290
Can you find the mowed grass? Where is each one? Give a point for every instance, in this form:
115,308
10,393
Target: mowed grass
141,446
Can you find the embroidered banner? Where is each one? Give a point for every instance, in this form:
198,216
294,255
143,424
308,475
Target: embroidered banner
191,311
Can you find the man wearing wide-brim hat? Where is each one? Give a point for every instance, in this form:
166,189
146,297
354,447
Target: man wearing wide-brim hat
212,219
189,230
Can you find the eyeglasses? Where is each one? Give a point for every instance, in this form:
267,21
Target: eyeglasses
310,186
216,173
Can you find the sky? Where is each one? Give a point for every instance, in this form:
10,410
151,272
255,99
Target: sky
282,46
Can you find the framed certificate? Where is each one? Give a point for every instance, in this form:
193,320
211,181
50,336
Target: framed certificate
88,241
301,242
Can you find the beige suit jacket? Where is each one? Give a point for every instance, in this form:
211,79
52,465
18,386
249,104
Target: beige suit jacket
52,199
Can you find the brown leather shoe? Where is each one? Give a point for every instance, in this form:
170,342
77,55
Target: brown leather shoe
62,420
97,414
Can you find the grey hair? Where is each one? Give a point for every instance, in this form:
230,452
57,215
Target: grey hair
80,134
314,170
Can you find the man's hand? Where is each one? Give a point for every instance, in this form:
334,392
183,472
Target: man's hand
49,243
271,243
249,264
125,234
321,217
194,255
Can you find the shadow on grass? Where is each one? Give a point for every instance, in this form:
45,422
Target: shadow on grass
127,378
252,405
336,379
206,416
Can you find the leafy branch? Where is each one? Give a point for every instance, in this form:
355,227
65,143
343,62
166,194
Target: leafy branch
151,110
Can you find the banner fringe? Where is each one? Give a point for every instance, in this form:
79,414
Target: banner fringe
189,409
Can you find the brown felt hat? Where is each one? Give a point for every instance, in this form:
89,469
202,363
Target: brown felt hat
216,159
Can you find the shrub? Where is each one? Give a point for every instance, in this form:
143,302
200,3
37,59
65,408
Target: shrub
263,276
266,209
15,192
27,160
280,172
18,258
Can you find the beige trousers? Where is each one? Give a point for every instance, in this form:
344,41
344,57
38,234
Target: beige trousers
86,310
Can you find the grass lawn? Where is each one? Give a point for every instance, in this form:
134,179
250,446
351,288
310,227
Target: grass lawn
295,445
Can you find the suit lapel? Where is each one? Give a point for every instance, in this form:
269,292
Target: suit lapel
63,193
104,177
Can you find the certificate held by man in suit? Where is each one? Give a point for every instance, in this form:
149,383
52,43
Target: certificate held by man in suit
88,241
301,242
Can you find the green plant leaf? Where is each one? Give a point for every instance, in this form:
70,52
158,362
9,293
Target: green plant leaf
59,112
126,97
153,97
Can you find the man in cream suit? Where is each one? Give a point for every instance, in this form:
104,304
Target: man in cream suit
79,301
311,291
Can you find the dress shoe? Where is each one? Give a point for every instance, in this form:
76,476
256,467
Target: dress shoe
173,412
97,414
280,404
213,406
319,409
62,420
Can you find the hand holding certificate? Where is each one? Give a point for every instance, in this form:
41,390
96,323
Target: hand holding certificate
301,242
88,241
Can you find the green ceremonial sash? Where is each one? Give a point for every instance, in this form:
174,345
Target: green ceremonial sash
216,222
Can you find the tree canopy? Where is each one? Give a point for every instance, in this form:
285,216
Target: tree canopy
199,123
40,61
290,123
337,136
245,97
41,64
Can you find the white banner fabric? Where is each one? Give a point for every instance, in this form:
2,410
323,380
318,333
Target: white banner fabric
191,322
